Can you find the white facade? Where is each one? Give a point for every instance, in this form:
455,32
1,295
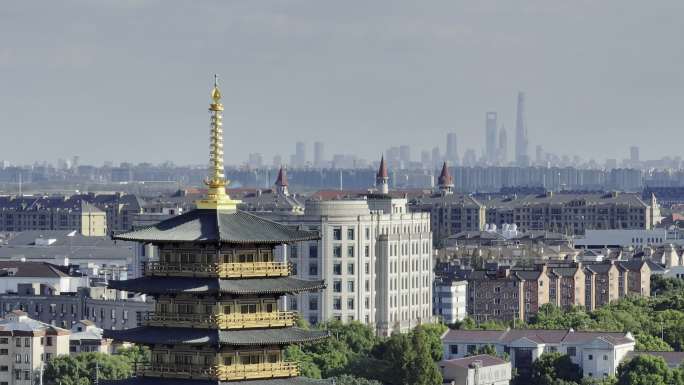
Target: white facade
450,300
375,258
476,370
634,238
597,353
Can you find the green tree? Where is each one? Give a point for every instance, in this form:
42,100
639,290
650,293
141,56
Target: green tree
647,370
550,367
307,366
422,370
647,342
82,368
137,354
433,333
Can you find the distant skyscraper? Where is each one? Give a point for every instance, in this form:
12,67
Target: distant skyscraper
539,151
491,137
319,155
503,146
452,148
300,154
425,159
405,155
436,158
634,154
521,140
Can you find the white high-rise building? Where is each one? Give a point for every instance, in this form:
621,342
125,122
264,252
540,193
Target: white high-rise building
375,257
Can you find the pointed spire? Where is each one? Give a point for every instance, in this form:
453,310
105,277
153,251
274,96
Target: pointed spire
445,181
282,177
281,182
382,171
382,178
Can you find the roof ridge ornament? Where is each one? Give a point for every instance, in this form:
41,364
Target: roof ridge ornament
216,198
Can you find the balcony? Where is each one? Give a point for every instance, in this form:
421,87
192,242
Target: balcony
257,371
220,372
222,321
176,371
220,270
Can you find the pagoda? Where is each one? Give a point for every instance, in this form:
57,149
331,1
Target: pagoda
217,286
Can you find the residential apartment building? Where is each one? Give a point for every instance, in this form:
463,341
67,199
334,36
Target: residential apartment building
86,337
25,345
574,213
106,308
506,294
51,213
597,353
450,298
374,255
450,213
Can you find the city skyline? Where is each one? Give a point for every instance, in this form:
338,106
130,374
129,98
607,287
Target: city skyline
351,74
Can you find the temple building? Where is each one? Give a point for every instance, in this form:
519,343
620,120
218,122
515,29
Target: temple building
217,285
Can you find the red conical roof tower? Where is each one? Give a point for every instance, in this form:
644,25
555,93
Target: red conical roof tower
445,181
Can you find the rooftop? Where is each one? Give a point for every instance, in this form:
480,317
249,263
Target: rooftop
539,336
482,359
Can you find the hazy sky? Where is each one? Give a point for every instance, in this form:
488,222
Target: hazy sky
129,80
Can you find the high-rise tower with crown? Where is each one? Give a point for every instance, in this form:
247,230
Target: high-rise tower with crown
217,285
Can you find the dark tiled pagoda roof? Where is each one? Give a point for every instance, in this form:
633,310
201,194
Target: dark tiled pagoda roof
179,381
236,227
191,336
244,286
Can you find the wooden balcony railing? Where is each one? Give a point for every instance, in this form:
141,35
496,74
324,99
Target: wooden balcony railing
221,270
176,371
222,321
220,372
256,371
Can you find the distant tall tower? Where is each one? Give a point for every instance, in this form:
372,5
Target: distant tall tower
319,155
382,178
491,137
503,146
452,148
634,154
300,154
436,157
405,155
522,157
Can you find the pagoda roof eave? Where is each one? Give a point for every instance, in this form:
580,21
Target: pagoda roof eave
242,286
219,226
150,335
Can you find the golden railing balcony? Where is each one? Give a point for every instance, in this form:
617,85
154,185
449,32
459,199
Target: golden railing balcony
220,372
221,270
222,321
168,370
256,320
257,371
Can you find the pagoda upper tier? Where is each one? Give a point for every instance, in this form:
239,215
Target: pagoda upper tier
219,226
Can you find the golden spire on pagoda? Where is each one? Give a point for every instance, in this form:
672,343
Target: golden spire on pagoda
216,181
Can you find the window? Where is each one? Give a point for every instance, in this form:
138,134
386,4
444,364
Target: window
337,268
350,251
337,286
27,375
337,303
17,358
4,352
367,233
605,357
18,342
313,268
366,268
591,357
350,303
313,250
350,286
350,234
366,251
337,251
4,368
337,233
313,303
471,349
27,342
4,341
350,268
453,349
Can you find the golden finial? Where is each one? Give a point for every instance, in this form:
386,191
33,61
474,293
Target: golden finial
215,92
216,182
